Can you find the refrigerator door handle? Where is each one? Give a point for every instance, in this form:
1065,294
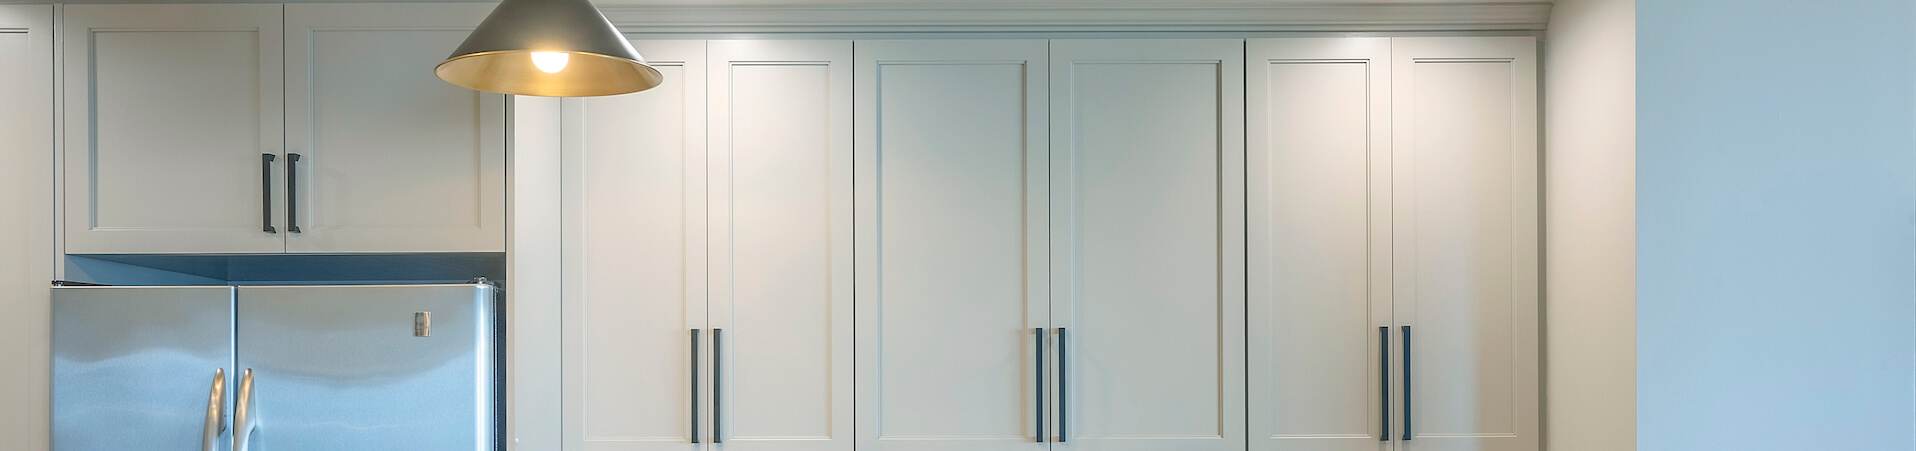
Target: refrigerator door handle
215,412
243,412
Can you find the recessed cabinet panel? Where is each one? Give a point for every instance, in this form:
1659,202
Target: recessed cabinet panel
782,242
1319,226
1147,203
635,182
170,109
1466,279
391,158
952,243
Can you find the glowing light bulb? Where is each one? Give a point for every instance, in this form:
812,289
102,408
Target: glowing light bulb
550,62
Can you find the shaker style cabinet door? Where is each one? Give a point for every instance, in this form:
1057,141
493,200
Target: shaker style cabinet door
1147,245
636,333
173,129
953,272
1465,246
381,155
780,280
1319,243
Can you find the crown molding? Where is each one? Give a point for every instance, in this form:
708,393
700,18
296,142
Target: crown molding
1355,17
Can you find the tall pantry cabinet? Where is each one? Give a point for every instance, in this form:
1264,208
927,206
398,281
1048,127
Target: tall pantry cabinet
1048,245
709,270
1393,244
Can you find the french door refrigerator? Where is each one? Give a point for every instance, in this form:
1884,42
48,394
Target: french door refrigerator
274,368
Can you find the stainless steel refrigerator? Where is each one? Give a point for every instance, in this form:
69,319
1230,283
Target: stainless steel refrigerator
275,368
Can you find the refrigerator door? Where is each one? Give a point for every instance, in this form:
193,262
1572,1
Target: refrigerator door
134,367
369,367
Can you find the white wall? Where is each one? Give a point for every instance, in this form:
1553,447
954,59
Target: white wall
1590,226
26,223
1776,301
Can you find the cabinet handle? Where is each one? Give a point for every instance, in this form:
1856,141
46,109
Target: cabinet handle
1406,351
1383,384
266,192
1038,383
215,412
718,388
292,192
695,386
1064,388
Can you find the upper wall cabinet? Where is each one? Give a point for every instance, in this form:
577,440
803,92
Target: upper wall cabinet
185,136
382,155
173,131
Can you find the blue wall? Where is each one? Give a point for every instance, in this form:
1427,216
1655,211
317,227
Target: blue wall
1776,202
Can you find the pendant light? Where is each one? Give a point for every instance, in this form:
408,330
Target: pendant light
552,48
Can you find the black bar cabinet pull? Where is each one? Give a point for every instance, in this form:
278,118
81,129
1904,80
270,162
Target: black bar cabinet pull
292,192
1038,386
1383,362
1407,396
718,388
1063,387
266,192
695,385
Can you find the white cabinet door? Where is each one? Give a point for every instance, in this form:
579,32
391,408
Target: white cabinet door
384,156
1465,277
634,246
952,243
1319,228
173,129
1147,214
781,243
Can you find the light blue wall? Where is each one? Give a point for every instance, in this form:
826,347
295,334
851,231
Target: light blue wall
1776,202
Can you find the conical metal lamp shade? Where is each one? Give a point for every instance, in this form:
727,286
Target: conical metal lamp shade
596,60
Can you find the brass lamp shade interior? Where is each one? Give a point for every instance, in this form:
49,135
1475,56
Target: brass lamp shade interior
584,54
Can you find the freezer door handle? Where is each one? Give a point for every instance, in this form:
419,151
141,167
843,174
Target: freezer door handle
243,412
215,412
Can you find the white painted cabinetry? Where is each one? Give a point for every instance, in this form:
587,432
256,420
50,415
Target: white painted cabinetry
780,280
1393,244
269,128
1147,243
1073,244
381,155
173,129
1319,238
953,254
1464,218
637,333
709,294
